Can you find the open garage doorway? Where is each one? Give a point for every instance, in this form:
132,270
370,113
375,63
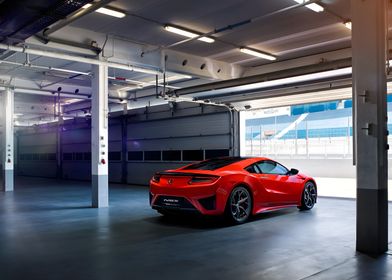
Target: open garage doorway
315,137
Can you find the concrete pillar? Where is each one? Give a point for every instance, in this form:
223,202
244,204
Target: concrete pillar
124,149
59,138
236,134
59,149
370,121
8,140
99,137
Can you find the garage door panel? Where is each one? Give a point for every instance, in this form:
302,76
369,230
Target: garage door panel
201,125
211,142
39,138
141,173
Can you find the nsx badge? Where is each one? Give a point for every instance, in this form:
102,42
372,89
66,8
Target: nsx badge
170,200
170,181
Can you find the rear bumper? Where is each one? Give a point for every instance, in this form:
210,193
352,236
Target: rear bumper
206,204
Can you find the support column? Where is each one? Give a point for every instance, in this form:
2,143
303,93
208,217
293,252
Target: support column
236,134
124,149
99,137
59,149
59,138
369,35
8,140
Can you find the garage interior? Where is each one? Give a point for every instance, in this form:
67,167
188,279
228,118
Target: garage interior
97,96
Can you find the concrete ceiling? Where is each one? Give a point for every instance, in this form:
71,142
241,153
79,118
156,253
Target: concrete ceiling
292,36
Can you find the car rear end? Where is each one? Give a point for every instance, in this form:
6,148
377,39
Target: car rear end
185,191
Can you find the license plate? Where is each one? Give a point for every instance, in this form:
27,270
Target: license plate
172,202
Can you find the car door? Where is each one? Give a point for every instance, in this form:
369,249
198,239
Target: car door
279,186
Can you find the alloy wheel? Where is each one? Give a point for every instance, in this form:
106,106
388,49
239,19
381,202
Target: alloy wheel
240,204
310,195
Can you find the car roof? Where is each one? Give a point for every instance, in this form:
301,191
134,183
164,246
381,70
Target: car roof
242,162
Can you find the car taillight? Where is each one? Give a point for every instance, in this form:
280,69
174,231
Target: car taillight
156,178
202,180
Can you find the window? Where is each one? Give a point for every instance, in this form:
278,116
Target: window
171,155
152,155
217,153
35,156
271,167
135,156
67,156
87,156
192,155
52,156
78,156
214,164
115,156
43,156
252,169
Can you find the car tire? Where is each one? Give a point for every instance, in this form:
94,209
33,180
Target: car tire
309,196
239,205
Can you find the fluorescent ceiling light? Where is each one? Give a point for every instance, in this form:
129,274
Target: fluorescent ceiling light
312,6
258,54
106,11
72,100
188,34
348,24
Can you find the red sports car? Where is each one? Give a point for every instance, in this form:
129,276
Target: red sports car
235,186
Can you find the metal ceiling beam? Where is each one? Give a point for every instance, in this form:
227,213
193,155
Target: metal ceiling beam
263,77
34,108
51,42
77,58
295,63
285,91
122,49
45,92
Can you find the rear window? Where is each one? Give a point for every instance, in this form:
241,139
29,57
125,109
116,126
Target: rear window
213,164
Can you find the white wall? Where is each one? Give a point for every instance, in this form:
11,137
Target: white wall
332,168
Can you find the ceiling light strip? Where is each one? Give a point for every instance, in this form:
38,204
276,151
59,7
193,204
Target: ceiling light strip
106,11
312,6
348,25
258,54
187,33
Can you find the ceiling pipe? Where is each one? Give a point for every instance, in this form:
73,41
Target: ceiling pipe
41,67
78,14
78,73
142,83
81,96
47,92
65,43
77,58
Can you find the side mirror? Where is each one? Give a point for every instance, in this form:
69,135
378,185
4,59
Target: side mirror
293,171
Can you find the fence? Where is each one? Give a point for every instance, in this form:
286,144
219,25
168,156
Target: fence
310,138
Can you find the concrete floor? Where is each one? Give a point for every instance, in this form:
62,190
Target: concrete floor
48,231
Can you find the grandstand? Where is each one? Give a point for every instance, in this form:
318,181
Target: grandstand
315,131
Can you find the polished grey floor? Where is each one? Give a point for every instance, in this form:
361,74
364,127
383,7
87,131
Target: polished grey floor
48,231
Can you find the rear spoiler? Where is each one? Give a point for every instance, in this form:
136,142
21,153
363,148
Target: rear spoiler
184,174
